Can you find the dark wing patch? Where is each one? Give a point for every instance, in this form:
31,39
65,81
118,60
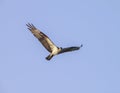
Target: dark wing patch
44,39
69,49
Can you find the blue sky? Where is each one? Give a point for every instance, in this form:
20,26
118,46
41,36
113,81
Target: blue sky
93,69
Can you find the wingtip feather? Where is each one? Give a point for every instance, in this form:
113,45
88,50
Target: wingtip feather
81,45
30,26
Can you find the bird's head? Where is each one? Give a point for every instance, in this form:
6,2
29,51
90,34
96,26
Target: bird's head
60,48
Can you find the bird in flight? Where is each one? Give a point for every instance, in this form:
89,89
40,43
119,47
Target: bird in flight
48,44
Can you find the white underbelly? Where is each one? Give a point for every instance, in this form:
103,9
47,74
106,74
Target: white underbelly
55,51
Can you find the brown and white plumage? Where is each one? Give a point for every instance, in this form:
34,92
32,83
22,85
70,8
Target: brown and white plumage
48,44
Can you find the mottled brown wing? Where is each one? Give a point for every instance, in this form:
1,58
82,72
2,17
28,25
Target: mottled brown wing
44,39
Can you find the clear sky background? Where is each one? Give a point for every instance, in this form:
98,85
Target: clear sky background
93,69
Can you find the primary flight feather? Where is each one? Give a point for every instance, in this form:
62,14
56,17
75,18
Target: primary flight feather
48,44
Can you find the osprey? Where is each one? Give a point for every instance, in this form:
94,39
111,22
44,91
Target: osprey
48,44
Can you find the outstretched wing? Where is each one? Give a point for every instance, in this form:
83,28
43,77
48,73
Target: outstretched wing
69,49
44,39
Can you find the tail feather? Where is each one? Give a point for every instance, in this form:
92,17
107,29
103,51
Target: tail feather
49,57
